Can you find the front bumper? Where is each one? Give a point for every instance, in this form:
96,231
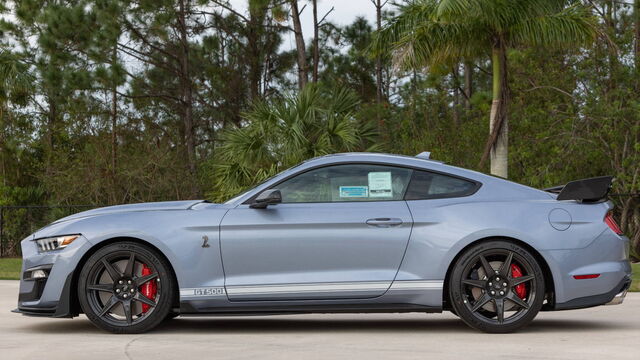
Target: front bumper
51,296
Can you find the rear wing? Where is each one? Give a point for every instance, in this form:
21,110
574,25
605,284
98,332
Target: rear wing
586,190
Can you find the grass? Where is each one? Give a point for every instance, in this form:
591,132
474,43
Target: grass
635,285
10,270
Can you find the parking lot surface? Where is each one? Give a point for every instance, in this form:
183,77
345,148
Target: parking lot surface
596,333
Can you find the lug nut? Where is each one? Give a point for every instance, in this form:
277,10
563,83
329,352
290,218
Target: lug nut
117,290
129,282
501,292
131,290
119,281
504,284
490,284
497,279
493,292
125,295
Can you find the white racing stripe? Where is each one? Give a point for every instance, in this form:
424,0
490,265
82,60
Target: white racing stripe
417,285
364,286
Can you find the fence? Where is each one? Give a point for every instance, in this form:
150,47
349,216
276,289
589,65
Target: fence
17,222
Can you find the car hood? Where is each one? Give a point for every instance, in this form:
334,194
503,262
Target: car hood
151,206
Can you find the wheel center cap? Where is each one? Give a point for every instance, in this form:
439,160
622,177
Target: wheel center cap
124,288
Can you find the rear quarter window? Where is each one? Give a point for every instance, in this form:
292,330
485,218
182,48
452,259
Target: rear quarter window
428,185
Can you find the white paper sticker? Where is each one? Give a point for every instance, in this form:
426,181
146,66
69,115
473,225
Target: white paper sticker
380,184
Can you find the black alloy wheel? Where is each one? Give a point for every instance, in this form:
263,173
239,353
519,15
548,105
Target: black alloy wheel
497,286
126,288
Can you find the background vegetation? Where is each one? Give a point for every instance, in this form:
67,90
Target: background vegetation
118,101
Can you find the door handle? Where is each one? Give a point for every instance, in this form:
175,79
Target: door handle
384,222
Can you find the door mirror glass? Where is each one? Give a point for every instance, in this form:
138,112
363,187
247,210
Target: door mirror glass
266,198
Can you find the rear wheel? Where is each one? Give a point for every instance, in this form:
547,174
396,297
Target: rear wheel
126,287
497,287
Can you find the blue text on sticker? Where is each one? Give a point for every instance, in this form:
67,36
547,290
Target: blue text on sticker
354,191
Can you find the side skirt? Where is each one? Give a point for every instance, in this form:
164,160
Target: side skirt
186,309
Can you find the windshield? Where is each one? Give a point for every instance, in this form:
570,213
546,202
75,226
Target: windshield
235,198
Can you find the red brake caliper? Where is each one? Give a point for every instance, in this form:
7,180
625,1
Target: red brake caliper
148,289
521,290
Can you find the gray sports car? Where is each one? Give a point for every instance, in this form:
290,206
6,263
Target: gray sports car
357,232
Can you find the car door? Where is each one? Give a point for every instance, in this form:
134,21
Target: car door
340,232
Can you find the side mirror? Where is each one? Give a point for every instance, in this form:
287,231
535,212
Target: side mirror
266,198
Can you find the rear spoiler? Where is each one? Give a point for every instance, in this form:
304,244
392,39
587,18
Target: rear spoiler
586,190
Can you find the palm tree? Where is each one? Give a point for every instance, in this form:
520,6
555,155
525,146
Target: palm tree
431,32
286,131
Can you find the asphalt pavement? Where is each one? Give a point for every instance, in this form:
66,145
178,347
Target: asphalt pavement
605,332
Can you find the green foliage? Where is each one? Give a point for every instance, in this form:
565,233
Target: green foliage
93,96
286,131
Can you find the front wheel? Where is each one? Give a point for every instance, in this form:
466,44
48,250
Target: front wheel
126,287
497,287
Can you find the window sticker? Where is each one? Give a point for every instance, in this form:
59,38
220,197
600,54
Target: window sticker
354,191
380,184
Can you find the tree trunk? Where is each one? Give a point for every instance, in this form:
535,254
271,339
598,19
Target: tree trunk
497,145
636,47
114,117
254,45
468,84
378,57
300,47
114,128
187,100
316,48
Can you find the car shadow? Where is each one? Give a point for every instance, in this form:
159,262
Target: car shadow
262,325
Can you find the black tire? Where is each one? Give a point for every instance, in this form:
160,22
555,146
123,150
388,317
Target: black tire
110,283
482,300
171,316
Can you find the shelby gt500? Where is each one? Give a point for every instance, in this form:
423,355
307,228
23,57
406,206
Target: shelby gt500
357,232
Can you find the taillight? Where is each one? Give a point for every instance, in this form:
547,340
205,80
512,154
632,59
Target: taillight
611,223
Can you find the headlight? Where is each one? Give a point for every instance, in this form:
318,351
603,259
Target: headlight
55,243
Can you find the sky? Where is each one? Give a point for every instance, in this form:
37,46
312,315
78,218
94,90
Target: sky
345,11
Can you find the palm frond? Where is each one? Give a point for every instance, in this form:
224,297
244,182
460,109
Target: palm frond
574,25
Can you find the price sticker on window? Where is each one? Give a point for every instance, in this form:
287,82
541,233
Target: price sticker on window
380,184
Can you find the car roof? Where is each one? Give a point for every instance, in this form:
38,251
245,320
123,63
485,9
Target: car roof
394,159
488,181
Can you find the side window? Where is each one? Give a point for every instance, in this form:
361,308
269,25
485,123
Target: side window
427,185
349,182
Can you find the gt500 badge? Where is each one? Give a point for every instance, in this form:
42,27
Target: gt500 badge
208,291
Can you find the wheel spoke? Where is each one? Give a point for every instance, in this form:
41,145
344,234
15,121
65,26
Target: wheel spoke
521,279
143,299
499,309
480,302
113,273
475,283
143,279
128,270
110,304
514,298
126,305
101,287
506,265
487,267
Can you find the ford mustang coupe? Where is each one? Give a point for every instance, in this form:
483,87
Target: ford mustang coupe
357,232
